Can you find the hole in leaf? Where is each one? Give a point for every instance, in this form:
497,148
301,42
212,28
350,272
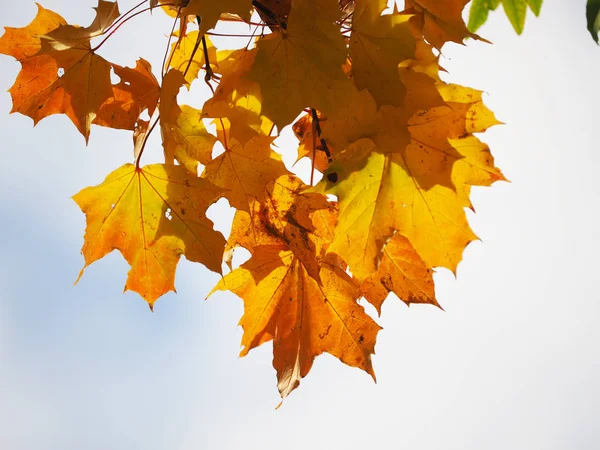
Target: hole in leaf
210,126
221,213
114,78
60,72
240,256
145,116
218,150
168,214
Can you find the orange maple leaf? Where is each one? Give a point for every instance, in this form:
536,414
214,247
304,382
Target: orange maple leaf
152,215
137,91
303,317
60,72
439,22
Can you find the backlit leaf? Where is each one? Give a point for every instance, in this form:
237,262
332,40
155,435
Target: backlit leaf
152,215
57,76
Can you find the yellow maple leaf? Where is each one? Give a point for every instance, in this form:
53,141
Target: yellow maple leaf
401,271
417,185
238,98
184,136
152,215
378,44
301,66
188,57
243,171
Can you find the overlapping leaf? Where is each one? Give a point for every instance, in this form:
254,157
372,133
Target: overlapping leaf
187,56
238,98
294,294
244,170
136,92
184,136
439,22
417,185
378,44
301,66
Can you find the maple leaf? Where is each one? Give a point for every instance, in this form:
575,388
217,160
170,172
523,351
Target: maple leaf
274,12
244,170
288,218
302,63
417,185
209,11
439,22
401,271
378,44
185,137
304,318
152,215
396,146
137,91
237,98
294,292
187,58
59,75
71,36
310,145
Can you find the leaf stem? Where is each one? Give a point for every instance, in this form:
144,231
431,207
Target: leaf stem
267,12
123,17
122,22
164,63
139,157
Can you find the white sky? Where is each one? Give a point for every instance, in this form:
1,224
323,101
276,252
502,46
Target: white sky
512,362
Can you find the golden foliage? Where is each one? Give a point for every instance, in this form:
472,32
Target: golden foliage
395,144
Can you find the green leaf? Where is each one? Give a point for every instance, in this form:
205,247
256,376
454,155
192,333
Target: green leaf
479,13
593,18
535,5
516,10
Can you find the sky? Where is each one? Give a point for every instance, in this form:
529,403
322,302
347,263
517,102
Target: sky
511,362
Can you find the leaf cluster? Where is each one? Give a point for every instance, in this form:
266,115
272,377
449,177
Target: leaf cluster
393,148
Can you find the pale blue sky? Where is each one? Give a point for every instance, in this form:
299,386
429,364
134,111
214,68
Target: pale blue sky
512,362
